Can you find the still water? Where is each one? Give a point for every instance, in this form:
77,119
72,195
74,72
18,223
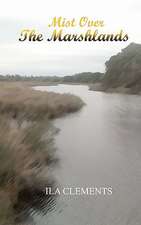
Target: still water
99,146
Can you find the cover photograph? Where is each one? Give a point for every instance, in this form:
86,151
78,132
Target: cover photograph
70,112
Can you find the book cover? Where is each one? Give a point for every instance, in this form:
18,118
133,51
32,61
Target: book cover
70,112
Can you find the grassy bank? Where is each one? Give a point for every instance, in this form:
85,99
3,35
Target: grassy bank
26,139
22,102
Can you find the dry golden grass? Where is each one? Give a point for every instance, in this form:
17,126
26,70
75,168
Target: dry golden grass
26,140
22,102
26,151
22,150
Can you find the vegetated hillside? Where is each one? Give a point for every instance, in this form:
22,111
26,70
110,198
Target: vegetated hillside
123,71
86,77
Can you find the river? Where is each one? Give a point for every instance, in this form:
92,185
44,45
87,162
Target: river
99,146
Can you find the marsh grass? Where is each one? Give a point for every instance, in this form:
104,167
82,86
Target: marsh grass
21,103
23,154
27,139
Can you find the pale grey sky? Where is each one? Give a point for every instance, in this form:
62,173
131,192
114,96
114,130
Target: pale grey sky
60,58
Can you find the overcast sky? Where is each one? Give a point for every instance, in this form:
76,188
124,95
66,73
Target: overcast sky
60,58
